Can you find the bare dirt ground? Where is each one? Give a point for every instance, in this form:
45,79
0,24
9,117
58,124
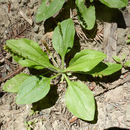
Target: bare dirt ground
112,94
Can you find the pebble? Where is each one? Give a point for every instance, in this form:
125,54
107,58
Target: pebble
2,60
36,29
109,107
9,107
39,36
7,67
31,5
55,124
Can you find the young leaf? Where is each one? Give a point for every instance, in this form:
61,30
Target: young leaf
105,69
127,64
80,101
13,84
30,50
48,8
86,14
33,89
128,36
128,40
63,37
85,60
115,3
117,59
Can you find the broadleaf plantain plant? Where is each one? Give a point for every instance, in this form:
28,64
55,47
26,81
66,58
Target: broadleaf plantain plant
86,14
31,88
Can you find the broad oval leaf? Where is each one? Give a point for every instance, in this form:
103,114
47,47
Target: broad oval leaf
13,84
80,101
30,50
32,90
85,60
48,8
105,69
127,64
86,14
115,3
63,37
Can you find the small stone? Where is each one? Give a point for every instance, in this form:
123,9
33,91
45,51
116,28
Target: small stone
7,67
36,29
55,124
9,107
31,5
39,36
109,107
2,60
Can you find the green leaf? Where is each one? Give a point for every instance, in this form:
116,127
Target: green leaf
26,62
63,37
32,90
117,59
127,64
91,1
28,53
115,3
128,40
128,36
86,14
105,69
80,101
48,8
85,60
13,84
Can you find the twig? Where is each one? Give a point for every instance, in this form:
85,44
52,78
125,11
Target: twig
26,18
122,81
12,74
9,6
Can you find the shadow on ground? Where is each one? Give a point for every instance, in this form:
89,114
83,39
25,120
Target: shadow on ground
47,101
116,128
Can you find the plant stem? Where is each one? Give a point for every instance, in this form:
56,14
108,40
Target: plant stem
62,78
67,79
55,76
53,60
62,62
